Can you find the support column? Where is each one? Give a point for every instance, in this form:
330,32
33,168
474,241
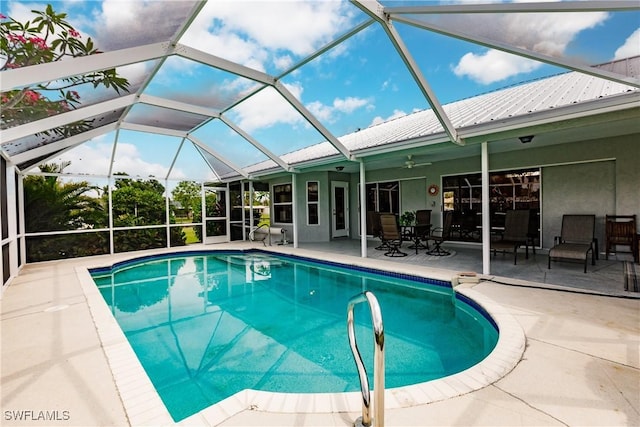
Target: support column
251,216
486,212
363,211
203,209
12,219
167,219
20,214
111,181
294,209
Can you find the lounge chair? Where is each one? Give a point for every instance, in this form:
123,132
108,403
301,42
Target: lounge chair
439,235
621,231
390,235
576,240
516,227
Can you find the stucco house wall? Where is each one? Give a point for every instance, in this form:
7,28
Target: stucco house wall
600,176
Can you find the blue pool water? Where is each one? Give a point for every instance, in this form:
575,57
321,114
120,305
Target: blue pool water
206,325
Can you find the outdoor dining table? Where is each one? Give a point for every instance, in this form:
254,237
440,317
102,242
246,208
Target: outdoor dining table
409,233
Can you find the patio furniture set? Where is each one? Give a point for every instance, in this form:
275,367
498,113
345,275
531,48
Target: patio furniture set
576,241
392,235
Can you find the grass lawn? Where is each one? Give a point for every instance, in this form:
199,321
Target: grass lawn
190,233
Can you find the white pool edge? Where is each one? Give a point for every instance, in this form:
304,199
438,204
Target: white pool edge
144,407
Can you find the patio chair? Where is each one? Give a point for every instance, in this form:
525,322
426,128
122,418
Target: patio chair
373,218
516,227
423,227
390,235
576,240
621,230
439,235
469,224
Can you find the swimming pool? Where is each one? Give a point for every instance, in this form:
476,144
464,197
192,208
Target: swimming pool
195,319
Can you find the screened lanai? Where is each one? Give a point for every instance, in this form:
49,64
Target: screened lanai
247,95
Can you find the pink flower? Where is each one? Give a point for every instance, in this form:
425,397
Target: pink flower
16,37
31,97
74,33
39,43
75,95
2,16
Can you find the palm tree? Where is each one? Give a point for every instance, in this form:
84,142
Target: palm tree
52,206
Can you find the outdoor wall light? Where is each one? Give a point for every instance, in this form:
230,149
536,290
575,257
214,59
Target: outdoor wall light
339,168
526,139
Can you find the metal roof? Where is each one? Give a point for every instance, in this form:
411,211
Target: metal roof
557,95
208,125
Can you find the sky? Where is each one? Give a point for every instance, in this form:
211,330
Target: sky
357,84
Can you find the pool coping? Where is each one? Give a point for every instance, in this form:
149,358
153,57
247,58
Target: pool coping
143,405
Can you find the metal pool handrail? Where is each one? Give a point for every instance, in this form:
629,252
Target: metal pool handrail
378,360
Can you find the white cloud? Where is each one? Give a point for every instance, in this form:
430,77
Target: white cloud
321,111
547,34
389,84
396,114
631,46
265,30
117,24
349,104
134,73
21,11
267,108
128,159
340,105
94,158
493,66
283,62
89,158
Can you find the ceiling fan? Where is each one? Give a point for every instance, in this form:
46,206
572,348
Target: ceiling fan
410,163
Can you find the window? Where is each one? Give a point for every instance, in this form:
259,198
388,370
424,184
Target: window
514,189
382,197
282,204
312,203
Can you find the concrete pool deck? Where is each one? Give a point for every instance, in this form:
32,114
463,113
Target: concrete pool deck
581,364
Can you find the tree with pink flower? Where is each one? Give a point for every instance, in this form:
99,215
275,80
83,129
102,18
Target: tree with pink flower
47,38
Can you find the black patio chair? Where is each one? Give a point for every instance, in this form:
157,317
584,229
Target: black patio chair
516,228
422,229
439,235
